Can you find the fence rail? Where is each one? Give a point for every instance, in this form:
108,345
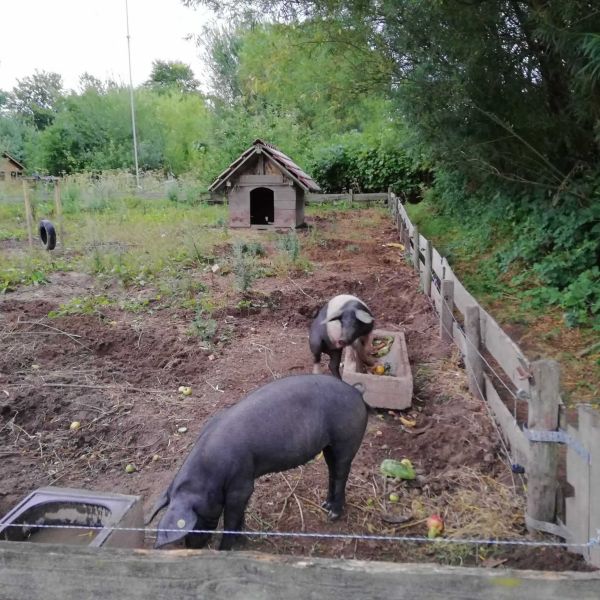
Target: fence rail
346,197
70,573
510,381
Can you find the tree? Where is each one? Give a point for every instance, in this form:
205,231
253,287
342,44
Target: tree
222,47
505,89
36,98
88,82
170,76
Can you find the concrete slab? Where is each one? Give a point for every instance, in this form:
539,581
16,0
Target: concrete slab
392,391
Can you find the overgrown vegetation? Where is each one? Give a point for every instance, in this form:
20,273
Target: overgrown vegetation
542,256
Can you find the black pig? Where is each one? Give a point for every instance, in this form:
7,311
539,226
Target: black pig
343,321
279,426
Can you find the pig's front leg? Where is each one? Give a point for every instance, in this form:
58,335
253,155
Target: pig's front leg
364,347
334,363
199,540
339,470
233,518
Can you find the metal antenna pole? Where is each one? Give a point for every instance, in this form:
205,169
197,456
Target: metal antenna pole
135,151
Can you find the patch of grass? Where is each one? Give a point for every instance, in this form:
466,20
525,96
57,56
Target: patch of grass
28,268
85,305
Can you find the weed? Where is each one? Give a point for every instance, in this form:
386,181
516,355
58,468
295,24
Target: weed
204,326
137,306
249,248
244,267
290,244
88,305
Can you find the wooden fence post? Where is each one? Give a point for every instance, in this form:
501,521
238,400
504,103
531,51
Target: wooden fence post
406,240
351,196
427,272
416,238
58,206
446,317
473,357
543,416
28,213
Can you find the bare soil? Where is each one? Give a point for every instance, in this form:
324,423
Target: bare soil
118,372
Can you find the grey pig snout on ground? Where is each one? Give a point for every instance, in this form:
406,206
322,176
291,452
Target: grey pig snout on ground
280,426
345,320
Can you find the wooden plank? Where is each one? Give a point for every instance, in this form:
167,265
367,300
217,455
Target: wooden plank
260,179
325,198
459,338
59,215
28,213
370,197
349,197
427,269
504,350
437,299
577,507
473,360
416,238
437,262
512,434
542,480
31,571
590,418
446,318
462,298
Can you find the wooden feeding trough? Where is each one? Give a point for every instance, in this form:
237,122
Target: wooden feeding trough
79,510
392,390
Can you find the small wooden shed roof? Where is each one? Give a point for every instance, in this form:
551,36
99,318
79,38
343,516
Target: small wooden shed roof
282,161
13,160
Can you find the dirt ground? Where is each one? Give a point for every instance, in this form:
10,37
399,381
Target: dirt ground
117,372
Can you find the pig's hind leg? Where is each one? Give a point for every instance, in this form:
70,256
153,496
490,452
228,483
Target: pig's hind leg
233,519
339,469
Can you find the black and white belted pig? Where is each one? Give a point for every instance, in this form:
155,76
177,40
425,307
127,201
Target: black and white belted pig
279,426
345,320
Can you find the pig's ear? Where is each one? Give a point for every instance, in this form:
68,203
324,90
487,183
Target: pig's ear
177,522
364,316
162,501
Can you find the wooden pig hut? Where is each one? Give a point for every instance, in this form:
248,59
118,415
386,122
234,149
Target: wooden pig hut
265,188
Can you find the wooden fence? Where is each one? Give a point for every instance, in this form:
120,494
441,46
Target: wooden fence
346,197
500,373
30,571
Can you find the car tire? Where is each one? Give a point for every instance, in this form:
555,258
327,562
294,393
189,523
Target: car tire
47,235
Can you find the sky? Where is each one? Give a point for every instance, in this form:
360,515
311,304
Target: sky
71,37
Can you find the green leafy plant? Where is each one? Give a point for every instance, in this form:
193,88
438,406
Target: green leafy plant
204,326
290,244
88,305
244,266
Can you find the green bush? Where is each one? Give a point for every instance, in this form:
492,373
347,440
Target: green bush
364,167
549,247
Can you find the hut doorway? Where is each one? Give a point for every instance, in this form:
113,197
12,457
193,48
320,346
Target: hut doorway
262,206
